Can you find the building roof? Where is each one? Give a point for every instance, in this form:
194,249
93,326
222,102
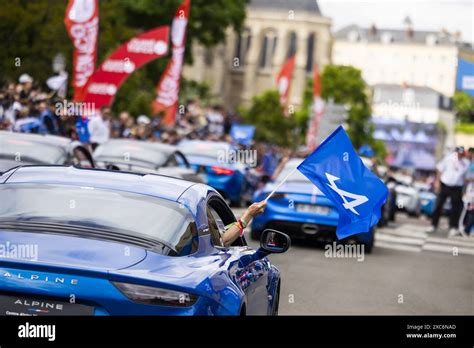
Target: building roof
375,34
287,5
417,96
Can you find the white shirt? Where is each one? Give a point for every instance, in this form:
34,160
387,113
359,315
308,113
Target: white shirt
453,170
99,130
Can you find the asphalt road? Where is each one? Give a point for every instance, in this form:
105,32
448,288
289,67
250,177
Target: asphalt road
387,281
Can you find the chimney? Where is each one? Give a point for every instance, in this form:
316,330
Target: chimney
408,27
373,30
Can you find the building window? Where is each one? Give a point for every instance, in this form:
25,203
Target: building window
292,45
310,53
267,51
242,46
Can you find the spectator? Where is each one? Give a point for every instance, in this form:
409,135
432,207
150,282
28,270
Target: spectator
123,124
215,120
469,196
99,127
451,172
48,120
26,86
143,127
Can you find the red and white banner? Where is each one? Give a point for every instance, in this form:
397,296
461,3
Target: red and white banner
105,82
167,89
82,24
317,111
284,80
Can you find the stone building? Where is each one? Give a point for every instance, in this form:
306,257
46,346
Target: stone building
246,65
406,56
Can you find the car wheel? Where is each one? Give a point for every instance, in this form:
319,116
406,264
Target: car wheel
370,245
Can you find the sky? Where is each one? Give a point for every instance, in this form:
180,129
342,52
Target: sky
454,15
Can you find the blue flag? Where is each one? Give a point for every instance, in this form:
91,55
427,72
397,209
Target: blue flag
242,134
336,169
82,129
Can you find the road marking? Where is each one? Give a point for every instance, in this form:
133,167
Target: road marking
395,246
401,240
447,249
411,238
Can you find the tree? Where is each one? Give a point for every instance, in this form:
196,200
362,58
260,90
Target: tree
464,106
344,84
267,114
34,32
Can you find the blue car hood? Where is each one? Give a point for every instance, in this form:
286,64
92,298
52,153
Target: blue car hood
68,251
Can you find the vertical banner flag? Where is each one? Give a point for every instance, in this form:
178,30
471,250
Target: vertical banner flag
284,80
316,113
82,24
242,134
336,169
465,77
105,82
168,88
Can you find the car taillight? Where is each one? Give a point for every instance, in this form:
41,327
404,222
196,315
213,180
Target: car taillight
156,296
222,171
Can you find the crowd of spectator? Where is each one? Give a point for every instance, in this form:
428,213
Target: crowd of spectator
25,107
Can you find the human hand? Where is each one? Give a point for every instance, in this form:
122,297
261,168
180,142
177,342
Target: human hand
254,210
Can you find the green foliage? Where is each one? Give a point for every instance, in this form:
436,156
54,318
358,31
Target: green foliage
34,31
464,106
31,33
191,89
465,128
268,116
344,84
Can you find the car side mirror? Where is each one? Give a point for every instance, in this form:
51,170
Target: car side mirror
274,242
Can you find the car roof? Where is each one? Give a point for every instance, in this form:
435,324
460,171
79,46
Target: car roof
205,142
149,145
160,186
37,138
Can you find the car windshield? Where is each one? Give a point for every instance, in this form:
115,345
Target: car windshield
133,214
296,177
30,151
206,149
130,153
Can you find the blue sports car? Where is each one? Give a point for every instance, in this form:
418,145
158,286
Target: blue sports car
95,242
217,160
301,210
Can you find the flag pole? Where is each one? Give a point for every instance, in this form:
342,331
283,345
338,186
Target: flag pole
279,184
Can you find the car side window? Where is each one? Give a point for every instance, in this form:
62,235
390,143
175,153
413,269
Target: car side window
181,160
223,216
171,162
214,229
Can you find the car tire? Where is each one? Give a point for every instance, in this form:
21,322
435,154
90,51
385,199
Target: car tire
370,245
